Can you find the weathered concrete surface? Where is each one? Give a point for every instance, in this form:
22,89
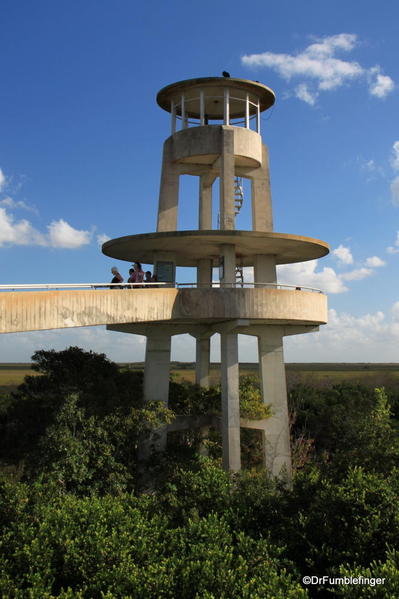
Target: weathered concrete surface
230,402
202,145
191,246
41,310
214,87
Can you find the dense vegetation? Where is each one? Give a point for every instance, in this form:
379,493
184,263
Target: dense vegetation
76,521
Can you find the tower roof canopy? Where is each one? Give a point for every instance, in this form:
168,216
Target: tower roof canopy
190,246
213,89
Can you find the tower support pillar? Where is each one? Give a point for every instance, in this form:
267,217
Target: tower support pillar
203,350
205,202
169,191
156,378
262,217
274,392
230,402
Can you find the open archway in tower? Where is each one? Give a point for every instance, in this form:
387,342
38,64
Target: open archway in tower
188,209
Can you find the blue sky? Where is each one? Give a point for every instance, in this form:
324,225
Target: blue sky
81,140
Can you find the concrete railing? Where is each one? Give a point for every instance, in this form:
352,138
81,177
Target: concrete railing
249,285
30,309
143,285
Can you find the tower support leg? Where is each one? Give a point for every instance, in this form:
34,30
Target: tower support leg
156,380
262,218
169,191
203,347
274,391
230,402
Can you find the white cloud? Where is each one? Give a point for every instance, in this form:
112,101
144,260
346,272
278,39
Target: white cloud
62,235
374,262
395,156
304,274
320,67
102,238
10,203
18,232
349,338
380,85
120,347
22,232
370,337
2,179
343,254
302,92
357,274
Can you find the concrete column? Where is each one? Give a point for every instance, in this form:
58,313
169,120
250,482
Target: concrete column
229,254
203,449
169,191
204,272
274,392
156,377
203,351
205,203
227,171
262,218
265,269
230,402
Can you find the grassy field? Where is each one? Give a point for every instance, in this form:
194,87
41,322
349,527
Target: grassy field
314,373
13,374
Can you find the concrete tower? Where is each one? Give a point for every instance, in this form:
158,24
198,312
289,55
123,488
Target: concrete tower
215,134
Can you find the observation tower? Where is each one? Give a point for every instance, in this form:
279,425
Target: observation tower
215,135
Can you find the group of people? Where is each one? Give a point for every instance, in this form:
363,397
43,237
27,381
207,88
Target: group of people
136,275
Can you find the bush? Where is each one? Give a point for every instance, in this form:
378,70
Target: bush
117,547
347,426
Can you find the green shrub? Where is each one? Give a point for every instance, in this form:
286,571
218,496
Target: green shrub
118,547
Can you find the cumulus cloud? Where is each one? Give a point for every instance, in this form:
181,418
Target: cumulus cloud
18,232
343,254
302,92
22,232
371,337
305,274
395,156
368,337
374,262
102,238
15,204
2,179
320,68
380,85
357,274
19,347
62,235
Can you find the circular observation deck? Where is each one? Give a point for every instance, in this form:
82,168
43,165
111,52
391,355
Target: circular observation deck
202,101
190,246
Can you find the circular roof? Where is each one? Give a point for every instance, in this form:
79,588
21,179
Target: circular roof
213,88
190,246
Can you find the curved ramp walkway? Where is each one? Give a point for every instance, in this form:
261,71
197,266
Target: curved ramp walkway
55,309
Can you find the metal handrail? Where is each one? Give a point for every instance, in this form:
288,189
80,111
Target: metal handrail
78,285
153,284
